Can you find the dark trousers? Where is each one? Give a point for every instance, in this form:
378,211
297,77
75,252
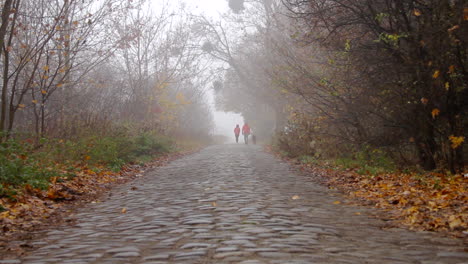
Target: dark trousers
246,138
237,138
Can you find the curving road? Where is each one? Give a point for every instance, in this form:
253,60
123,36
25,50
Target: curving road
233,204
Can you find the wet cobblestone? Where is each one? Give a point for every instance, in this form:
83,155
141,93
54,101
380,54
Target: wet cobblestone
233,204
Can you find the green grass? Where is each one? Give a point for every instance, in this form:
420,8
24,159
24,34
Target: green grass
364,163
20,166
23,163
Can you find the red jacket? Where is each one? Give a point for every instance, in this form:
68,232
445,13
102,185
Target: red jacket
245,130
237,130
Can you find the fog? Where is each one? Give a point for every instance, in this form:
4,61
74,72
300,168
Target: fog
194,69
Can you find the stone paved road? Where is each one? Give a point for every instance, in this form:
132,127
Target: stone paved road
233,204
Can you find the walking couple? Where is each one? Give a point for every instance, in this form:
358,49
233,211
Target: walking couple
246,131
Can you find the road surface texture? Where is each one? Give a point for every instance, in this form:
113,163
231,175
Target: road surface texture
233,204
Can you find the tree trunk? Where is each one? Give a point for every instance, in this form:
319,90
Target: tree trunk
3,30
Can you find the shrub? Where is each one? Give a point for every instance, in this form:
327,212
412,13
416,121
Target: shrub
20,166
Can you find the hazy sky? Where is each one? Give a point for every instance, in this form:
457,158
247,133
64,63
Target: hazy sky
225,122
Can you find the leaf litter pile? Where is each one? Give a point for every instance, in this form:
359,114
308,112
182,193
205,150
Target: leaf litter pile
33,209
429,202
433,202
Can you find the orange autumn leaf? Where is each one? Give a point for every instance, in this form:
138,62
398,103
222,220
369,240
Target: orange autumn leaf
456,141
124,210
416,12
424,100
451,69
435,112
436,74
453,28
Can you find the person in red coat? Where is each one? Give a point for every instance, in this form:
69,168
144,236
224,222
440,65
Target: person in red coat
246,132
237,132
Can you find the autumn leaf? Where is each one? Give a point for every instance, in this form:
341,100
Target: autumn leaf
336,202
465,13
34,101
124,210
447,86
43,92
295,197
21,106
45,68
436,74
454,222
435,112
214,204
456,141
453,28
451,69
417,12
424,100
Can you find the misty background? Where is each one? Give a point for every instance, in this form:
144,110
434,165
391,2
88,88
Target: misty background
328,79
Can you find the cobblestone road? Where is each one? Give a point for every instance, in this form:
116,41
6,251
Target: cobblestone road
233,204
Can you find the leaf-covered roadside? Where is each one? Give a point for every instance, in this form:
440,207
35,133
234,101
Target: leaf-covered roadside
430,201
33,208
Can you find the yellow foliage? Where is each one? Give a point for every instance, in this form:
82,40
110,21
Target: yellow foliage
181,98
456,141
436,74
